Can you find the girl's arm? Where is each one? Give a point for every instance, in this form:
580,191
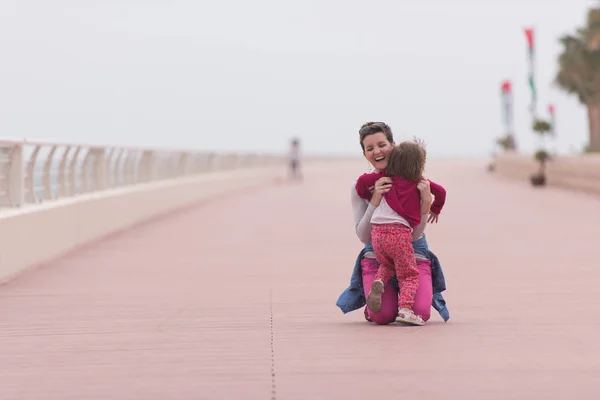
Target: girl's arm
440,197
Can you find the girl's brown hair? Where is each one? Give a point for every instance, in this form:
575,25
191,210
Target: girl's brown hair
407,160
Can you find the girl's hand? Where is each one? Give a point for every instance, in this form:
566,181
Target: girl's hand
433,218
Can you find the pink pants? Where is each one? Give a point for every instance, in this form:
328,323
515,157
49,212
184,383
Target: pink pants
392,244
389,301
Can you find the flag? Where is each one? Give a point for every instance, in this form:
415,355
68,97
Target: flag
506,93
552,118
529,34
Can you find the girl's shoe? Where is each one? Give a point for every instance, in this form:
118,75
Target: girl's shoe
374,297
407,316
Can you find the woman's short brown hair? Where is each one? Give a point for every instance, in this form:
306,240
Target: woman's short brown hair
407,160
371,128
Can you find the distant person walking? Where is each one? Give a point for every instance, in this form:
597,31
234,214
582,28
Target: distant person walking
294,161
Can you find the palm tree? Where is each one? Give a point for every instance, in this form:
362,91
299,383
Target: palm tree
579,71
592,31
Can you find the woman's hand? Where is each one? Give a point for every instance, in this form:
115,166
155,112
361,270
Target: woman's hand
425,191
382,186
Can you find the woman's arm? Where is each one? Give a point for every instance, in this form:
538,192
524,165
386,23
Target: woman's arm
425,191
424,188
420,229
363,211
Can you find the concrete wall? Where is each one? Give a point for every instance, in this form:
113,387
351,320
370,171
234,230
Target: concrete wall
35,234
581,173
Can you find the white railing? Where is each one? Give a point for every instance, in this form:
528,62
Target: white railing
34,171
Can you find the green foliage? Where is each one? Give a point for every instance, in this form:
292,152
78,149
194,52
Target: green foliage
541,156
588,149
542,127
506,142
579,62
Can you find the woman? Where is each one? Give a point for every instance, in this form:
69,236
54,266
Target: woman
377,141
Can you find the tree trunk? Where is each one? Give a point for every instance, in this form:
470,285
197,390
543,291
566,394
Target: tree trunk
594,127
542,170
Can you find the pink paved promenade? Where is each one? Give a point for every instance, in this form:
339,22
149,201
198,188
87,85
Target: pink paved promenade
234,299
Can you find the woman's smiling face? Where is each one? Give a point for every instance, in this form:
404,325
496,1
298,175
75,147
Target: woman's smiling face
377,149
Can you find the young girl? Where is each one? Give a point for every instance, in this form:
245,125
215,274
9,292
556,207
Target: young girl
392,224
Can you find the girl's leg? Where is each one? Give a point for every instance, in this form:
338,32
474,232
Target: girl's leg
407,273
389,309
382,240
381,237
405,264
424,296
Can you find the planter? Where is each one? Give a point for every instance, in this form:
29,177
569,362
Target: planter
538,180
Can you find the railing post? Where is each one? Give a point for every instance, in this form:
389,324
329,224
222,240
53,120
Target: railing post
212,162
118,172
16,177
47,193
99,175
31,195
62,170
129,168
147,167
182,167
73,189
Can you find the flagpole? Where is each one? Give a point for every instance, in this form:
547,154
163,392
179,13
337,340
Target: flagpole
529,34
507,111
552,112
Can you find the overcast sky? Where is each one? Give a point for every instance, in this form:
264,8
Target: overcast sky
248,75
